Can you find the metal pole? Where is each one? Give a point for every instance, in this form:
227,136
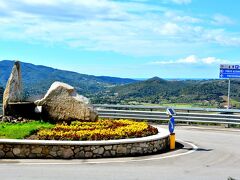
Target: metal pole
228,106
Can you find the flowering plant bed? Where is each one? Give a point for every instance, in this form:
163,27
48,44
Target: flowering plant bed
100,130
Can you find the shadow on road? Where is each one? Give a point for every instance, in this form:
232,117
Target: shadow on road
203,149
198,149
181,146
178,145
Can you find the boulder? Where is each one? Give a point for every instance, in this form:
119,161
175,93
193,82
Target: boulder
62,103
13,90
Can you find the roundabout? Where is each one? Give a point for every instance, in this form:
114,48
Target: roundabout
214,158
76,132
183,148
25,149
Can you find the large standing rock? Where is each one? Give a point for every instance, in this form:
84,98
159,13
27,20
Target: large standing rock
62,103
13,90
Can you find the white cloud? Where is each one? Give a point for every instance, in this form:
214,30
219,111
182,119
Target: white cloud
219,19
176,17
214,60
132,28
186,19
181,1
2,4
192,59
220,36
169,29
189,60
40,2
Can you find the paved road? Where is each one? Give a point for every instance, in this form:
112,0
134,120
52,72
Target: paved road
217,157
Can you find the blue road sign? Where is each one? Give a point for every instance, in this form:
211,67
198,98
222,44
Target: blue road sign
230,75
171,125
229,66
229,71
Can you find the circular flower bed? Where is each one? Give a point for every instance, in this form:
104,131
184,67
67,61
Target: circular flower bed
100,130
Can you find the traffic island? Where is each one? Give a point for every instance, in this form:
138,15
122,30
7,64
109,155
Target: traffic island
51,149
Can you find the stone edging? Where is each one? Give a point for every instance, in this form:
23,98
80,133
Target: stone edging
11,148
163,133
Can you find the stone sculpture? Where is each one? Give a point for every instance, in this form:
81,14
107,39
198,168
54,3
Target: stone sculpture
62,103
13,90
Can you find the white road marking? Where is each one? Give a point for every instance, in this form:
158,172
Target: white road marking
216,129
104,161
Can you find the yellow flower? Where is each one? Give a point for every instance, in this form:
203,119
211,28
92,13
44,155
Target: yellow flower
100,130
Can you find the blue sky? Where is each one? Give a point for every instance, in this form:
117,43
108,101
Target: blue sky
123,38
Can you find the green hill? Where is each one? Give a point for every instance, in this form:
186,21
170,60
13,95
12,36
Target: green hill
38,79
159,91
1,93
112,90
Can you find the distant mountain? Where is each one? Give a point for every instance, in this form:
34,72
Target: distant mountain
37,79
112,90
153,90
157,90
149,88
1,94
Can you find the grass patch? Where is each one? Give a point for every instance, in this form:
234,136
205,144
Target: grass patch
235,103
21,130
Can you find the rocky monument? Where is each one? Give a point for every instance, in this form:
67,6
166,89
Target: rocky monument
62,103
13,90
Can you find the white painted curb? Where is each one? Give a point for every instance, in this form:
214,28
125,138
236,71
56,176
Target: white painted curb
163,133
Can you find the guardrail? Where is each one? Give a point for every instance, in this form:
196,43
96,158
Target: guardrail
158,113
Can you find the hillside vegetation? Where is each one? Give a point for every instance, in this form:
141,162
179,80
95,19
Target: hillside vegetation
38,79
160,91
1,93
111,90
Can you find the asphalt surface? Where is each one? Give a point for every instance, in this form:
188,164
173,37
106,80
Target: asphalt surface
217,156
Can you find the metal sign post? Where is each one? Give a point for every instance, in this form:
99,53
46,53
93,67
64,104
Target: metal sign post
171,125
228,106
229,71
